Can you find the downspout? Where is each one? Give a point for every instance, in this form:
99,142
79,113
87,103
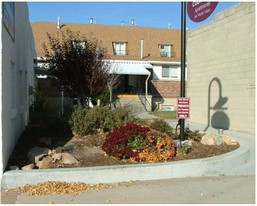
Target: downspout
146,88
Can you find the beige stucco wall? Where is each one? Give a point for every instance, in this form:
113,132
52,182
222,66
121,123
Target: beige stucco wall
17,74
223,49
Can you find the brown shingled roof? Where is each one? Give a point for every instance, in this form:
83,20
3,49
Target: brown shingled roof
108,34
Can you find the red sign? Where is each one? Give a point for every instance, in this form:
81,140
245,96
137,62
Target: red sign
199,11
183,108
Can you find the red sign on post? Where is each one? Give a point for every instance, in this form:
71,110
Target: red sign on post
183,108
199,11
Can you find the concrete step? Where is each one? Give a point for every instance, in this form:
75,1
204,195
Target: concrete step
134,104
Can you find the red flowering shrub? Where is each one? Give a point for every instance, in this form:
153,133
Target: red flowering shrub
139,143
126,141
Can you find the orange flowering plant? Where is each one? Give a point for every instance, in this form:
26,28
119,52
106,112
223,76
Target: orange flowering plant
139,143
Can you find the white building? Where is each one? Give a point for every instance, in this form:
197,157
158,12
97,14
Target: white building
17,64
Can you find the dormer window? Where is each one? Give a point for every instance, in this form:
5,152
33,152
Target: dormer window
165,50
119,48
79,44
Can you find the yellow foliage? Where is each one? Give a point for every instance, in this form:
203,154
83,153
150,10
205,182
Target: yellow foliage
160,148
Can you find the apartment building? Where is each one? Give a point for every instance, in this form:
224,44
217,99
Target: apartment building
148,59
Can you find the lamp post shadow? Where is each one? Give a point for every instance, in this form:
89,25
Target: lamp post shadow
219,119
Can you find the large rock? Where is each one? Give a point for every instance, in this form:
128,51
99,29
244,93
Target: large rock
214,139
208,139
28,167
69,159
37,154
228,140
47,162
57,157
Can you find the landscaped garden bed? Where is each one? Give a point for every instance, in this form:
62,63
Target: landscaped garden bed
101,137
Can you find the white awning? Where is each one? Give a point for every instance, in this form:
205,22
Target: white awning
130,67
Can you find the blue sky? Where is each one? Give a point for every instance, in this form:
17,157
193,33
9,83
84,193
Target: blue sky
147,14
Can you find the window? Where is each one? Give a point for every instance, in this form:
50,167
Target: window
8,17
165,50
171,72
79,44
119,48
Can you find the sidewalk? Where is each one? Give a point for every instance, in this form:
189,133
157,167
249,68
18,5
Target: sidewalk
197,190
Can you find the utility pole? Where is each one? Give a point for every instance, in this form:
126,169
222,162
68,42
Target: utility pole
183,64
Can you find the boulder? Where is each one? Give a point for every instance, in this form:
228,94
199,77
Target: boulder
37,153
47,162
209,139
57,157
69,159
28,167
228,140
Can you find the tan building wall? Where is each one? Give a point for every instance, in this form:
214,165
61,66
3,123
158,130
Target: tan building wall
221,66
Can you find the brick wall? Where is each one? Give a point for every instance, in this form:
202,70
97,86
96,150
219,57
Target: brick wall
165,89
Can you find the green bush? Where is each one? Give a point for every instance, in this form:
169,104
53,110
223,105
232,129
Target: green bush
104,98
162,126
83,121
118,117
86,121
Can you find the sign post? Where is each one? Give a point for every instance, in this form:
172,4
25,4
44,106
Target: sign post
183,108
183,64
197,11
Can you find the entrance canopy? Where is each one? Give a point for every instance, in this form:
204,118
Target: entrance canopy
130,67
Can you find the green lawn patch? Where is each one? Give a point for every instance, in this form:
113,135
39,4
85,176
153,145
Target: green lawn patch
164,114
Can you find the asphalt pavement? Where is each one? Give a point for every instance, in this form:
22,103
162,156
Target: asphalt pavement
226,179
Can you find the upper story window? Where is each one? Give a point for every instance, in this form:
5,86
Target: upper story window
165,50
79,44
119,48
171,72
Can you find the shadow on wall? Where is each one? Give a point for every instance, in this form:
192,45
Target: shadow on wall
219,119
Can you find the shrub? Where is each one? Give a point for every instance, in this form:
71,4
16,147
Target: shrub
118,117
160,147
86,121
139,143
104,98
162,126
126,141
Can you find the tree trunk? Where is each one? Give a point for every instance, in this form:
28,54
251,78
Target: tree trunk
110,100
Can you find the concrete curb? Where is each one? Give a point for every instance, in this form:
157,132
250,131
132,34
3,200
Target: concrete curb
151,171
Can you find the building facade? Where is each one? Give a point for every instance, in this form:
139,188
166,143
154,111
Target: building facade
221,70
17,60
148,58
